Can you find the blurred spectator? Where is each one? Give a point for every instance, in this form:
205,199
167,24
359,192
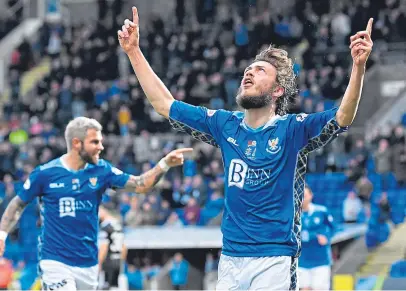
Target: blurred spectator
6,273
192,212
164,212
173,221
179,271
384,207
383,165
352,208
135,278
133,217
210,269
147,215
364,189
399,163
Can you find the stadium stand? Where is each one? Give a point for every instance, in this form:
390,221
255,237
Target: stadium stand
78,70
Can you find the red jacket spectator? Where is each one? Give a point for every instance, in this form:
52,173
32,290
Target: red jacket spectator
6,273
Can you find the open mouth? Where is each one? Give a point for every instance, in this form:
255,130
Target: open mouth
247,83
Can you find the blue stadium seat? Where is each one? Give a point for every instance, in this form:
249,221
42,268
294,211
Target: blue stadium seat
375,180
370,164
398,269
372,238
384,232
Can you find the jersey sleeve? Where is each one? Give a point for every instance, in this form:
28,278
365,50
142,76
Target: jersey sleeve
318,128
201,123
116,177
32,187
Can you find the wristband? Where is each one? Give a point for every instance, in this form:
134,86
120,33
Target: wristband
163,165
3,235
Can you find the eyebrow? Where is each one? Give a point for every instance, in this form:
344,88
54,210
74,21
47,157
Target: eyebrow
96,140
257,66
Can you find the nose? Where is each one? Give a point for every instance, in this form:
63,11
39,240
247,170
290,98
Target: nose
101,147
249,74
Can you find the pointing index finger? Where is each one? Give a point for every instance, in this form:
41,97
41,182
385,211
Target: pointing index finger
369,26
135,15
184,150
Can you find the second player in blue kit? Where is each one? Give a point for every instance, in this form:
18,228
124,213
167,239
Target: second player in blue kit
70,190
264,153
317,231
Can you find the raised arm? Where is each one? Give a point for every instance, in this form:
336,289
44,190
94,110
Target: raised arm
145,182
155,90
10,217
361,47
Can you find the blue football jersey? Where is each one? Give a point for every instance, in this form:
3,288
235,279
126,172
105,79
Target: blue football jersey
69,202
316,221
264,172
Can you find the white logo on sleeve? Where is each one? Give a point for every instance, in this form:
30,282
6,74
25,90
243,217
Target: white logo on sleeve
210,112
300,117
67,207
27,184
116,171
56,185
232,140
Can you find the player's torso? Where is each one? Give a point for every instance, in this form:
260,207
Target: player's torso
69,209
116,240
254,160
73,195
259,176
313,254
312,222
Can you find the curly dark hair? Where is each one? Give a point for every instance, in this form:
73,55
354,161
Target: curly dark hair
285,77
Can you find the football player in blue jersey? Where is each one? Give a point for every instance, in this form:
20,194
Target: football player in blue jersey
70,190
264,153
315,260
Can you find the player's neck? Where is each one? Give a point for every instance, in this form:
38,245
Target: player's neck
255,118
306,207
73,161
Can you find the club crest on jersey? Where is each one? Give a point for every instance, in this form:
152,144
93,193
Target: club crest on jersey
273,146
93,182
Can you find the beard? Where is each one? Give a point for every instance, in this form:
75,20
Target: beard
253,102
84,155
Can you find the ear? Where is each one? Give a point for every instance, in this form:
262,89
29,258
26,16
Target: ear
278,91
75,143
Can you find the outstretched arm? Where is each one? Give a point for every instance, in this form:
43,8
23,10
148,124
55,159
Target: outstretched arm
9,219
361,47
145,182
155,90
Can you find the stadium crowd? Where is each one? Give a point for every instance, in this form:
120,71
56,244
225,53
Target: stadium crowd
201,58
